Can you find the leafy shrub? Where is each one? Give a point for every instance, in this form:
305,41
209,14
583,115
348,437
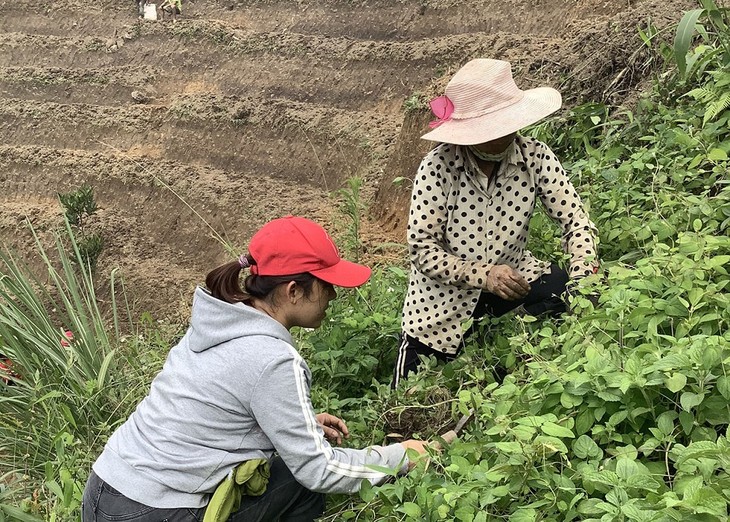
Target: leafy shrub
78,205
620,411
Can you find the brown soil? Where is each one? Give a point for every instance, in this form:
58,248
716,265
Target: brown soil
242,111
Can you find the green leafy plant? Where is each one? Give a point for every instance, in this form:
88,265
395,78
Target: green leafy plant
65,390
79,206
90,248
352,206
415,102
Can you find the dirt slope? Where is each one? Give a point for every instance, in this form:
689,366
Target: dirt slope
242,111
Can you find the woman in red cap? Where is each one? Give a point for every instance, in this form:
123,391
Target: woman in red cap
227,431
473,197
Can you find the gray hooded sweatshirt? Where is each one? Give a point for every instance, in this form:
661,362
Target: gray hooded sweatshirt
234,388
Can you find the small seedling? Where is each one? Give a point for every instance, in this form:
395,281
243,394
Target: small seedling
79,205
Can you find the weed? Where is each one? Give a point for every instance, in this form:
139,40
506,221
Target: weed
94,45
78,205
352,206
63,396
137,29
415,102
90,247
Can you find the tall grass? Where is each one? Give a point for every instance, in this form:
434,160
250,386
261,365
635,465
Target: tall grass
65,391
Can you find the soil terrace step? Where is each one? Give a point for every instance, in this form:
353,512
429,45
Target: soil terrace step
113,86
384,19
148,186
208,36
299,77
267,77
311,144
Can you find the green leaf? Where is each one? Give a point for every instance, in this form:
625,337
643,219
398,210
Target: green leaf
687,421
523,515
718,262
55,488
555,430
550,443
509,447
626,468
643,481
717,155
569,401
626,452
675,382
632,512
696,450
723,386
584,421
683,38
707,500
411,509
689,400
523,433
367,492
464,514
665,422
609,397
585,447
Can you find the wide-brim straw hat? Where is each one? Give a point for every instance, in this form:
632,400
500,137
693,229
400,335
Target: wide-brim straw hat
483,103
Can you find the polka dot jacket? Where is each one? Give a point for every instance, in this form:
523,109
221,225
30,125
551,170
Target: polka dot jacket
461,224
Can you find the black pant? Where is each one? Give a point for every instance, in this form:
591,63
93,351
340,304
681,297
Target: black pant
545,297
284,500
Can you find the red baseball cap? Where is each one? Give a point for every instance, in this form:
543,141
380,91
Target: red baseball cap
293,245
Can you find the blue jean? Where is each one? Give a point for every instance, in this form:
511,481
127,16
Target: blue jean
285,500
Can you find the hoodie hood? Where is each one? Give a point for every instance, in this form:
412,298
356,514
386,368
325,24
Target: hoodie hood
214,322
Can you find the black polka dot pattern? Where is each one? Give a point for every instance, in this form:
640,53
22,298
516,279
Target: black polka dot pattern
461,224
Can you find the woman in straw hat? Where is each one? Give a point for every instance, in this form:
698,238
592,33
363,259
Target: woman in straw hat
473,197
227,431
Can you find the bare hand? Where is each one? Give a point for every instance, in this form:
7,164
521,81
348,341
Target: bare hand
504,281
418,445
334,428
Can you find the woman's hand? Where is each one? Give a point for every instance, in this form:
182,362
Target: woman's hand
504,281
418,445
334,428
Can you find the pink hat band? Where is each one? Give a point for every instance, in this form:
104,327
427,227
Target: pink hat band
483,103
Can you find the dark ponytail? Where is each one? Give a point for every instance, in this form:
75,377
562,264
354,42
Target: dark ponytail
224,283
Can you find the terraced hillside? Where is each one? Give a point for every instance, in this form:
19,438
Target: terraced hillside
241,111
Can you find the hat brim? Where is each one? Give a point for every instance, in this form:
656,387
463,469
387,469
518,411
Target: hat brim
345,273
534,106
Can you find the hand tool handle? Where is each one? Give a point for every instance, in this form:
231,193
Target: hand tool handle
449,437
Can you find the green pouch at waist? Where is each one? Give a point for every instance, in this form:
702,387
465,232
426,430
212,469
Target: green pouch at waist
248,478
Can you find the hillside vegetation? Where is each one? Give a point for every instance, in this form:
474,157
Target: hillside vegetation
617,412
